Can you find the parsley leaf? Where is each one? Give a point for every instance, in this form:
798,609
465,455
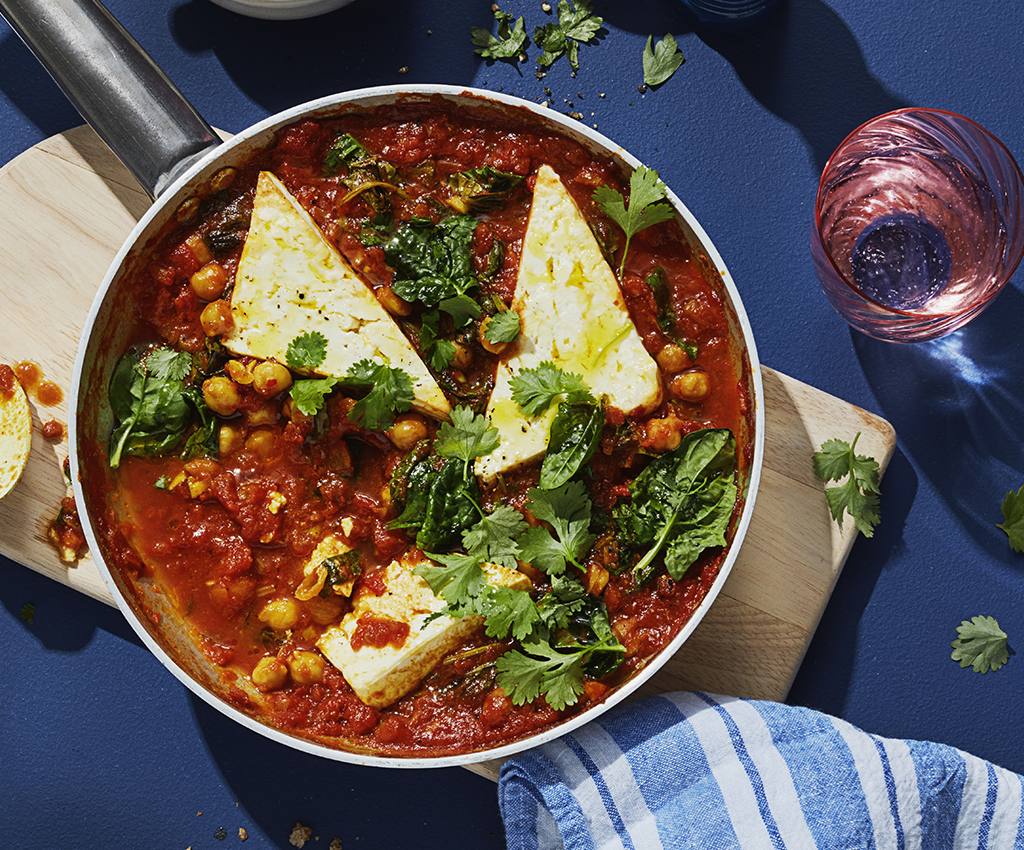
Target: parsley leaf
306,351
858,496
534,390
504,326
661,62
390,392
567,510
1013,519
645,192
981,645
575,25
509,42
308,394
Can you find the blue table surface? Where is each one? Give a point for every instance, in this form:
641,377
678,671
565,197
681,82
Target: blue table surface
101,747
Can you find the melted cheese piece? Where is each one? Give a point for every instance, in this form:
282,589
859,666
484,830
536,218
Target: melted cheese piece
380,676
572,313
291,279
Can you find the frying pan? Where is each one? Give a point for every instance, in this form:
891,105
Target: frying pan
174,153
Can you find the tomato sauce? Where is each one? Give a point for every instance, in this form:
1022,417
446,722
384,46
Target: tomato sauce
227,537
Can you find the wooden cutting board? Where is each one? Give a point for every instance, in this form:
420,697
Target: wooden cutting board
67,204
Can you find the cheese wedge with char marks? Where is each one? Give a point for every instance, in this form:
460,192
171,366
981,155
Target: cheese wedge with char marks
572,313
291,279
380,675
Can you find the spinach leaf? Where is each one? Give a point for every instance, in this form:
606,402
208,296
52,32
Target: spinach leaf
433,264
439,501
680,504
483,188
575,434
149,399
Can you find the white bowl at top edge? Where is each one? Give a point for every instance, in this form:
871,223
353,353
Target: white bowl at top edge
281,10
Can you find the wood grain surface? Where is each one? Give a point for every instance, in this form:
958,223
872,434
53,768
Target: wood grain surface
67,204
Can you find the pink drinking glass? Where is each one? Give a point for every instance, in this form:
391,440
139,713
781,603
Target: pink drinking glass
917,224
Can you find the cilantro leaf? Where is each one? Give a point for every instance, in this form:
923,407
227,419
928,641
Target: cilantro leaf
467,437
493,538
306,351
981,645
509,610
439,351
504,326
457,582
567,510
858,495
1013,519
575,25
645,192
507,44
308,394
662,61
557,672
534,390
390,392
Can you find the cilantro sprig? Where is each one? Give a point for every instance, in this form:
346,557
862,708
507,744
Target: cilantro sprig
981,645
507,44
646,205
1013,519
390,391
576,25
306,351
536,389
662,60
858,494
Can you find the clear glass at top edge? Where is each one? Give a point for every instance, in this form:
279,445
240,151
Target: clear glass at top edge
960,146
728,15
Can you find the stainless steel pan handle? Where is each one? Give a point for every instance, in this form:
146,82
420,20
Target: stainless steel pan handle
115,85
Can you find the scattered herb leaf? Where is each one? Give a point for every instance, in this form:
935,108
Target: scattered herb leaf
567,510
504,326
576,25
28,613
858,496
509,42
981,645
390,392
662,61
308,393
535,389
1013,519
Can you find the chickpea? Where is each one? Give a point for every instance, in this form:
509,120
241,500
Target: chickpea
307,668
281,613
223,179
693,385
325,611
663,435
394,304
673,358
216,318
463,358
270,378
221,395
261,443
269,674
229,440
407,430
203,466
209,282
200,250
265,414
491,347
239,372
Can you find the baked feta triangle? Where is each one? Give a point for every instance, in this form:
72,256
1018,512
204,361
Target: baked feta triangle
572,312
291,280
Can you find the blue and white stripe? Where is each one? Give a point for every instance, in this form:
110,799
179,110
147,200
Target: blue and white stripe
691,770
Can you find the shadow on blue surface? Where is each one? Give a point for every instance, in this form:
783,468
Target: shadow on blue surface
347,801
958,405
63,619
283,63
805,66
824,676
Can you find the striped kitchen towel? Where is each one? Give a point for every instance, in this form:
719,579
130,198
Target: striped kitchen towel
710,772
